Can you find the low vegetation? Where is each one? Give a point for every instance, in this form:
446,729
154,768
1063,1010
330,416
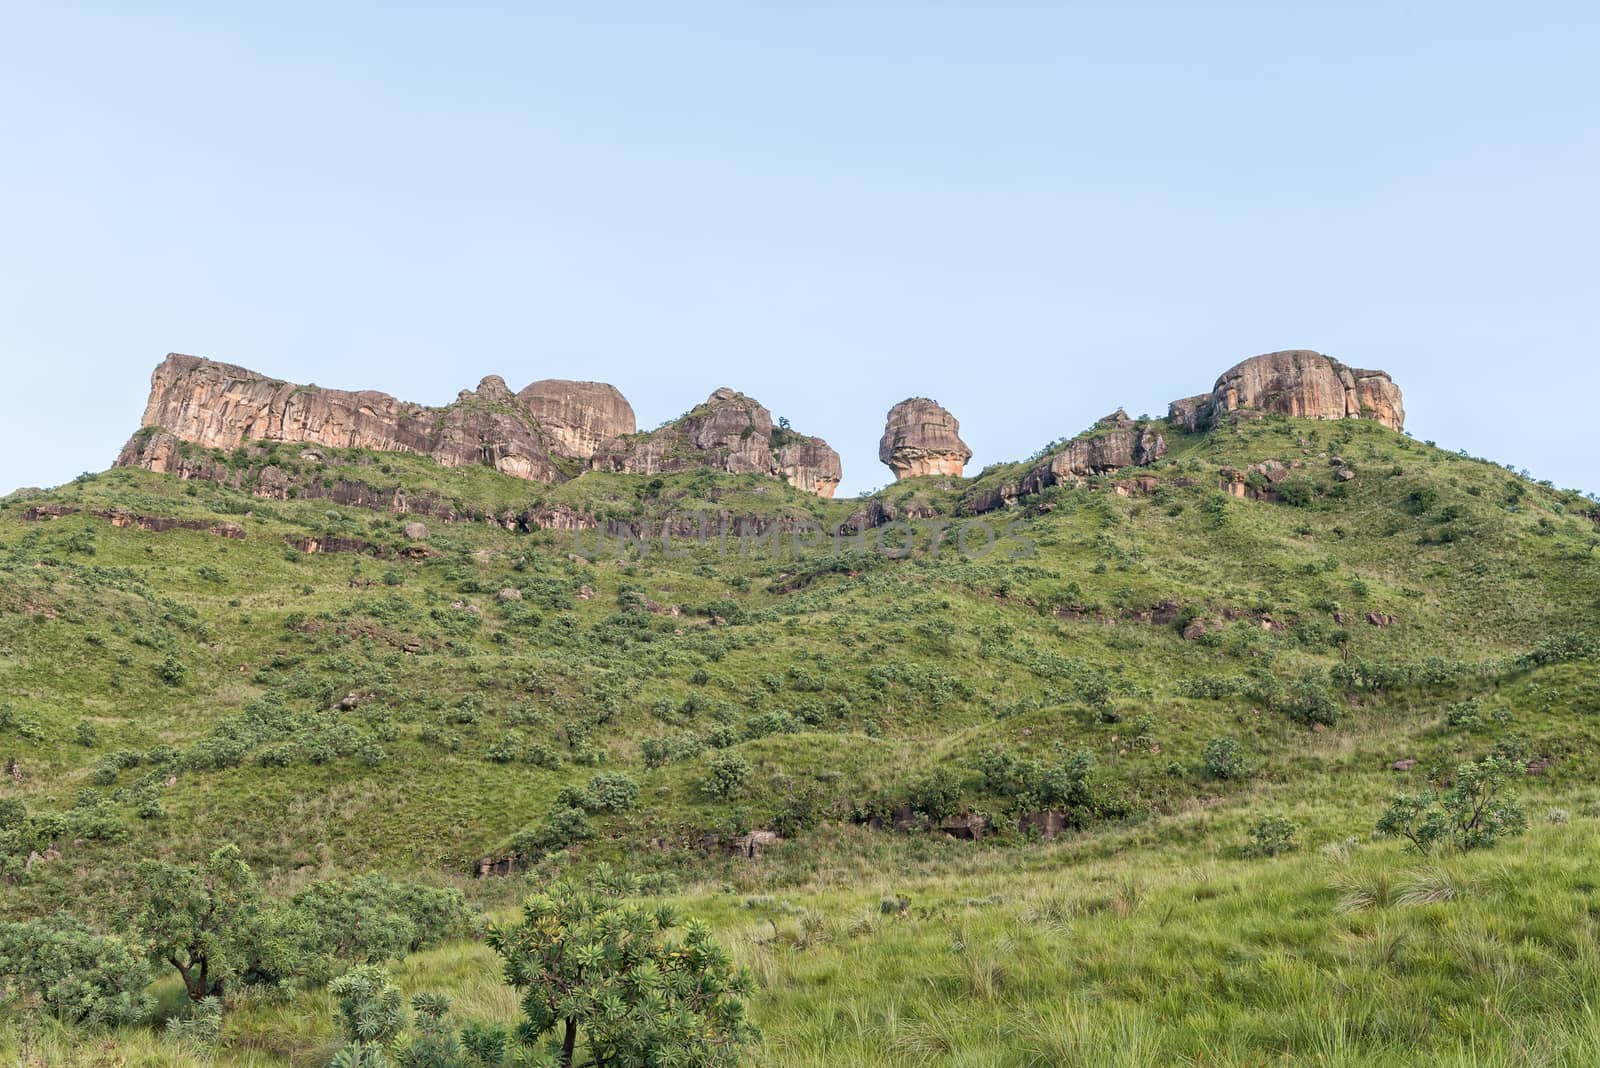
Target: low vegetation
1166,778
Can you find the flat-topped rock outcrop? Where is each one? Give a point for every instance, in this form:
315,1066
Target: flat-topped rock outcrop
545,433
1295,382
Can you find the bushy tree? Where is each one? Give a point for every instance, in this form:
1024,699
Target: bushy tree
588,963
1475,812
199,918
80,977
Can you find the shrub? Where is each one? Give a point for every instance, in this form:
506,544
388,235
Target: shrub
937,794
369,1015
611,792
172,671
86,735
1273,835
1296,492
669,749
726,775
1028,784
1475,812
1463,714
1223,758
1307,700
506,749
75,974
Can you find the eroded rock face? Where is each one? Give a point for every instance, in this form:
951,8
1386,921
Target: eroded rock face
1295,382
729,432
527,434
1113,443
922,438
578,415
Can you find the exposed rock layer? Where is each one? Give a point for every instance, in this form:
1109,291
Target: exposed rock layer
922,438
548,432
1295,382
220,406
1111,444
729,432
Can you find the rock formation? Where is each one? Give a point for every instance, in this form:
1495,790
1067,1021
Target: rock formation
529,435
729,432
922,438
1111,444
1295,382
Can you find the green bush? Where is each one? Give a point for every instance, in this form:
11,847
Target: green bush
60,966
1272,835
726,775
1223,758
937,794
611,792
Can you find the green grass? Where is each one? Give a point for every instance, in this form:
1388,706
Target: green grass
883,670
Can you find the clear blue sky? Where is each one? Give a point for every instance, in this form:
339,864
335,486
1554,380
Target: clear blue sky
1031,212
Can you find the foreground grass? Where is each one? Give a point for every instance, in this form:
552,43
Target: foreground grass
1348,954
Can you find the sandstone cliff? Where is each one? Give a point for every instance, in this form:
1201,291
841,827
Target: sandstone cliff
1295,382
529,435
729,432
1113,443
922,438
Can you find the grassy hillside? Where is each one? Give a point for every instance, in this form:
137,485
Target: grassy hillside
411,706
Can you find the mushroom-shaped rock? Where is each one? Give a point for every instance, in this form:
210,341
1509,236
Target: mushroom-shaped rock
1295,382
922,438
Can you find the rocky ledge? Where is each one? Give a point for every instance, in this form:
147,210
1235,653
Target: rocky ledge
545,433
1111,444
550,431
729,432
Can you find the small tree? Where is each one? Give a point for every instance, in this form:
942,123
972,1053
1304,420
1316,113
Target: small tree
198,918
587,962
1475,812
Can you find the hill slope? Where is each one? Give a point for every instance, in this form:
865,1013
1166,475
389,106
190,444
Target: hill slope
1148,663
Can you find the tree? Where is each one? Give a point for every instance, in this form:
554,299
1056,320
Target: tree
1475,812
199,918
586,962
369,1014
